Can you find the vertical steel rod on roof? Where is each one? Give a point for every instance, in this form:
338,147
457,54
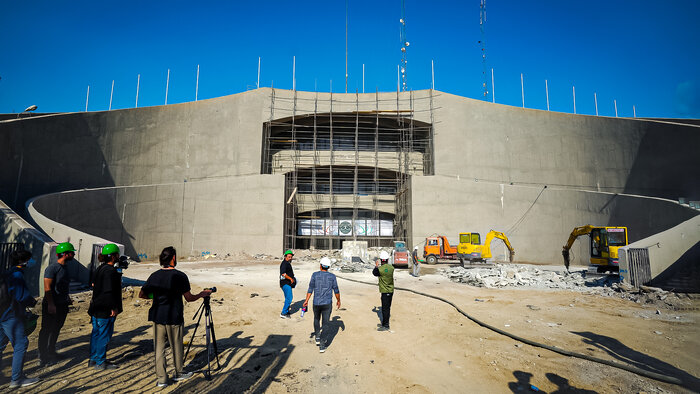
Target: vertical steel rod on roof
138,82
432,74
398,79
294,74
574,93
595,98
111,93
167,85
257,85
196,88
615,102
522,89
546,91
493,89
87,98
346,46
363,77
634,112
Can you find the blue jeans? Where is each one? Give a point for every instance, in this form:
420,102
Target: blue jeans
102,330
287,289
12,329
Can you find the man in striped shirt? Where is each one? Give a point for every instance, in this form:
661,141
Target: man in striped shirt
324,284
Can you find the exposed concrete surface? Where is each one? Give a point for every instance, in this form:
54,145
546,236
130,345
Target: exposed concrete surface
536,227
225,215
42,248
666,248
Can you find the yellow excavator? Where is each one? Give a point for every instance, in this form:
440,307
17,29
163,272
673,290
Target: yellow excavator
604,243
470,249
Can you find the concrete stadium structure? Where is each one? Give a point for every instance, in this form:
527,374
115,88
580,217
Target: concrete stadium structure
269,169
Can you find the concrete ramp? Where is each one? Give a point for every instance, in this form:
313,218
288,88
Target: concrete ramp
669,260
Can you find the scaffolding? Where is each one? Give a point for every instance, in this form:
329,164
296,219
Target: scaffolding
347,164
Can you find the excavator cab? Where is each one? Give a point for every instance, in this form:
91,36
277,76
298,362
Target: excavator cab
604,244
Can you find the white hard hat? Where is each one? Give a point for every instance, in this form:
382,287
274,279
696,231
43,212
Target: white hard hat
326,262
384,255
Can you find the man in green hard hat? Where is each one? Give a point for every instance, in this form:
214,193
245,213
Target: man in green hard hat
54,308
287,282
106,304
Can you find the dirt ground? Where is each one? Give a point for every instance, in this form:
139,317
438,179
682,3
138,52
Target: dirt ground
431,348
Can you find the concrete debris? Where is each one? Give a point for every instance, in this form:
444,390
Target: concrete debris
532,277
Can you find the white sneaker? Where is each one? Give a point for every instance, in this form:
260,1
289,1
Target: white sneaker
285,316
24,382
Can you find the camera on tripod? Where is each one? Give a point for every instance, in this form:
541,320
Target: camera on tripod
212,289
122,263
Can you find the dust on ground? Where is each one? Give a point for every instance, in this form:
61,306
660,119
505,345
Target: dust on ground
430,348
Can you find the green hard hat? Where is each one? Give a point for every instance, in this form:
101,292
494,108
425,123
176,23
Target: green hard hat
109,249
289,251
64,247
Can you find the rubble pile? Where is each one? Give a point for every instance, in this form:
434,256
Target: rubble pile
517,275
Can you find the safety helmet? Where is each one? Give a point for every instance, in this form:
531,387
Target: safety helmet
383,255
109,249
289,251
64,247
326,262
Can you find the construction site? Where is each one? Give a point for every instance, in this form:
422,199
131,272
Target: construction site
558,252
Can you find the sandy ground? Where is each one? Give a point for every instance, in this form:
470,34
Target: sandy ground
431,347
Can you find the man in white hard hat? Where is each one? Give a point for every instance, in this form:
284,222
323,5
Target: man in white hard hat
415,262
323,284
385,272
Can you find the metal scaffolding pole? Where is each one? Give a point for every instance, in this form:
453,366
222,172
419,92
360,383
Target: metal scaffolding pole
355,190
375,212
330,173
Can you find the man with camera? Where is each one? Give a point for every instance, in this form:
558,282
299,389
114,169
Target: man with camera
106,304
166,287
13,316
54,308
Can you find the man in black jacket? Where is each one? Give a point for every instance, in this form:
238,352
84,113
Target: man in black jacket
105,306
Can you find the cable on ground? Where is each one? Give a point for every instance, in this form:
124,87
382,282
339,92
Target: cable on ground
629,368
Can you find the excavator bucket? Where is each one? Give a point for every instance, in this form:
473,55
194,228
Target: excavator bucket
565,253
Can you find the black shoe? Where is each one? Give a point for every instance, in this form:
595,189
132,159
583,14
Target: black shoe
91,363
105,365
322,347
383,328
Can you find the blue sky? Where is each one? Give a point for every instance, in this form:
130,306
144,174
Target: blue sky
642,53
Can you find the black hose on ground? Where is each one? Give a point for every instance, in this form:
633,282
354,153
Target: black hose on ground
629,368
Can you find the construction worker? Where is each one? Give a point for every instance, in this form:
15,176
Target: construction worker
385,272
167,287
322,284
287,283
54,308
13,315
106,304
416,262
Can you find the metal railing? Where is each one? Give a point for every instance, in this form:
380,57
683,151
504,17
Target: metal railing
6,249
639,266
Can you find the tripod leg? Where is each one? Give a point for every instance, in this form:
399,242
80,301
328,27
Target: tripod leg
207,329
200,312
213,337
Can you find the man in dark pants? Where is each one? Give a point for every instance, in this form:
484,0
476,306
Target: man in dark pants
323,284
385,272
54,308
166,287
106,304
287,282
12,318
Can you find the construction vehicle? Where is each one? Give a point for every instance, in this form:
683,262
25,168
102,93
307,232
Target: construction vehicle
470,249
399,255
604,243
438,247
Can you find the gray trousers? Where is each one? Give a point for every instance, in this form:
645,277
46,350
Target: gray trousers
173,334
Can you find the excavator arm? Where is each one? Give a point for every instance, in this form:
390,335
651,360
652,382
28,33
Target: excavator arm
496,234
577,232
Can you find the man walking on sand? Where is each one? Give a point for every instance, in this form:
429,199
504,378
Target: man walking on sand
323,284
287,282
385,272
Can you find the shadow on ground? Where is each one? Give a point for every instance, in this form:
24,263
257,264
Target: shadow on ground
523,384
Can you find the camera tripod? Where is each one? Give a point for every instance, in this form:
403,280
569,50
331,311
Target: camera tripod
212,349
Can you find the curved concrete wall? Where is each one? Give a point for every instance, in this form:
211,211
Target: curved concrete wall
219,216
222,138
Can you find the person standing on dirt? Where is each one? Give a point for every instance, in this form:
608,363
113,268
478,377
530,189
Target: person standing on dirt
416,262
385,272
287,283
54,308
106,304
166,287
323,284
13,315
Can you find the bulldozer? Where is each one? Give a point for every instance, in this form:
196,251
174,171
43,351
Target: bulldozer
470,249
604,243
